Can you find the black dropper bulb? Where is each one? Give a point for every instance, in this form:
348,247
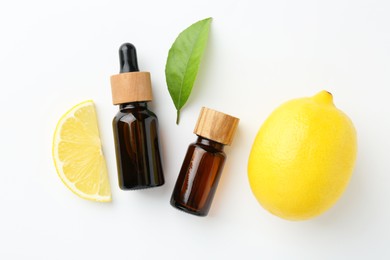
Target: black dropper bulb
128,58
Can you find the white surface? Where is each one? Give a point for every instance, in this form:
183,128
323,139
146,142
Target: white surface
260,54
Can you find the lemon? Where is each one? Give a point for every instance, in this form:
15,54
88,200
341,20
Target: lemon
77,153
302,157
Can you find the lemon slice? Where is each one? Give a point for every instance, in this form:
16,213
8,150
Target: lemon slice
78,155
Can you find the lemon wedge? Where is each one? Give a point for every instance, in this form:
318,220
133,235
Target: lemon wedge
78,155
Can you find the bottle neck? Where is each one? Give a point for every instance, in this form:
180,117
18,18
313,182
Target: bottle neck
134,105
204,141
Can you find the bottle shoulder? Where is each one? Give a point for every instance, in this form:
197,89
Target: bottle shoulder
130,115
207,149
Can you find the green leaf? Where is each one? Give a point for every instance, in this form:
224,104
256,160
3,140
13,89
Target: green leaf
183,62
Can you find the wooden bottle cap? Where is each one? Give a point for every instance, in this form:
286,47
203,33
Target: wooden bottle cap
131,87
216,126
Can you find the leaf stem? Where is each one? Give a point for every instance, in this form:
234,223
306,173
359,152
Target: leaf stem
177,116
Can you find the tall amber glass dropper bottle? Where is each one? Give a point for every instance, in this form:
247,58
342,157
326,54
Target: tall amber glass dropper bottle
135,126
202,167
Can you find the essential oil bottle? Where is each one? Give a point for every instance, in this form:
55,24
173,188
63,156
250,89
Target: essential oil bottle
202,167
135,126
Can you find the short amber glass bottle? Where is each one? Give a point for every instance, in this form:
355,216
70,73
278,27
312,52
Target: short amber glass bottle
135,126
202,167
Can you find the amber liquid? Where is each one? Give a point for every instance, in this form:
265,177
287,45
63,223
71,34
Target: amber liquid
199,176
137,147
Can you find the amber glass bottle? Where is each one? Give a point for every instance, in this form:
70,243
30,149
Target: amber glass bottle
135,126
202,167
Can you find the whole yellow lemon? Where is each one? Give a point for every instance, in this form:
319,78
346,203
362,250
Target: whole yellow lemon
303,157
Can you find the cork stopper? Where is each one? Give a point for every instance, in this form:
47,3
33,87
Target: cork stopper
216,126
130,85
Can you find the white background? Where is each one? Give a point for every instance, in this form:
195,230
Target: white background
54,54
